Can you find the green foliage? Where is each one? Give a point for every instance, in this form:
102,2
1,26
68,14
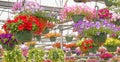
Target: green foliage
35,55
13,56
116,6
56,55
94,31
45,15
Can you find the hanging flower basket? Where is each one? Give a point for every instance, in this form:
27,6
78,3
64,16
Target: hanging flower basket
108,3
24,36
76,18
52,39
99,39
68,38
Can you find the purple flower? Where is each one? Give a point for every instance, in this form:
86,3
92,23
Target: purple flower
7,39
83,27
28,5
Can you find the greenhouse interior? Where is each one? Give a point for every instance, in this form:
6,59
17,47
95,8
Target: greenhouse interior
59,30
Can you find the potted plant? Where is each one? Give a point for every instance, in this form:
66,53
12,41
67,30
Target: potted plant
69,38
106,56
111,44
28,21
72,46
8,41
96,30
77,13
13,56
23,27
36,55
87,45
52,36
56,55
104,13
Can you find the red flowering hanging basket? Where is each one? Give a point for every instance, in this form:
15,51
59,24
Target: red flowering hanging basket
24,26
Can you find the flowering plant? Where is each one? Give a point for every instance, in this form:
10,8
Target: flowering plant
104,13
49,35
8,41
85,44
112,42
33,8
26,5
106,56
84,10
23,22
88,28
71,45
58,45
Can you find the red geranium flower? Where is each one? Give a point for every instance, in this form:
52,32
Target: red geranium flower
20,27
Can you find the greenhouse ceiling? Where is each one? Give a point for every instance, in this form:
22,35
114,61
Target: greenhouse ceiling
5,5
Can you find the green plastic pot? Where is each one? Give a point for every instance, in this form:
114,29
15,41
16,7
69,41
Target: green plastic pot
108,3
24,36
69,39
76,18
52,39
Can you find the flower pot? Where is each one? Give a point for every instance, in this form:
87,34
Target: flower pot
111,48
99,39
76,18
52,39
108,3
24,36
69,39
46,31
